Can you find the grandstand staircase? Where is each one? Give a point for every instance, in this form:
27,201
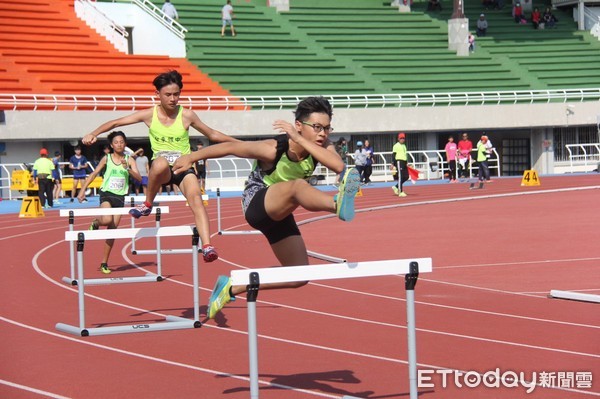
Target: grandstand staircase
46,49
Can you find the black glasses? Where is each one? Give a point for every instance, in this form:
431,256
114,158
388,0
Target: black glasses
319,128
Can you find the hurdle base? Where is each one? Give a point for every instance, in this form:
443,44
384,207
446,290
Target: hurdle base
237,232
163,251
148,278
574,296
171,323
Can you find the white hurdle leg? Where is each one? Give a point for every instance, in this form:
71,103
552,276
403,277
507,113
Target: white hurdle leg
71,280
411,330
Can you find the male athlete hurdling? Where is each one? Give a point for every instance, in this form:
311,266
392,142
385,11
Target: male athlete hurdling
277,186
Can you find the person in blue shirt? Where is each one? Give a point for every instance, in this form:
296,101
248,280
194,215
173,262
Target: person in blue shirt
78,164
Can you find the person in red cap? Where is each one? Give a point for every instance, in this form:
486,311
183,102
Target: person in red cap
400,152
42,174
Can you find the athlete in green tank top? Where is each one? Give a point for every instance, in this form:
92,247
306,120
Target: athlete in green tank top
117,167
169,125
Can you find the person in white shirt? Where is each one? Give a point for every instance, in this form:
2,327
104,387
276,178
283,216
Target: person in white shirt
169,10
227,18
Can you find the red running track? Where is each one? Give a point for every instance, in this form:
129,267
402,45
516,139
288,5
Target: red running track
497,253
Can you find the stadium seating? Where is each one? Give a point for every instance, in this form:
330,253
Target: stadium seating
46,49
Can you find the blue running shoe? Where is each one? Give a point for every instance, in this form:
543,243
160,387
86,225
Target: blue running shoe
220,296
344,199
140,210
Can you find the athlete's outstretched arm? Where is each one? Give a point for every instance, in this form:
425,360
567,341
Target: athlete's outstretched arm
263,150
212,134
137,117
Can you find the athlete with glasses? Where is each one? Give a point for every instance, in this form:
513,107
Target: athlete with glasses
277,186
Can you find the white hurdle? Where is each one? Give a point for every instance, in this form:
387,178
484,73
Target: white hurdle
132,200
252,278
173,322
71,213
574,296
313,254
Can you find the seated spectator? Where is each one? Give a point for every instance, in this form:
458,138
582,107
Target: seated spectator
518,12
482,26
549,19
536,18
433,4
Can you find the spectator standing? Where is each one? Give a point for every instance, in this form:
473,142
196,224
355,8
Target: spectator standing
227,18
369,164
143,167
201,167
482,159
118,167
451,149
169,10
471,40
78,164
360,160
56,177
465,146
42,175
341,147
482,26
400,152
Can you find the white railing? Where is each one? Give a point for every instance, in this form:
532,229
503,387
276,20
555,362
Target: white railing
101,23
583,157
74,102
157,14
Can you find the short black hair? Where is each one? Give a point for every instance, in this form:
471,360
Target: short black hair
312,105
116,133
166,78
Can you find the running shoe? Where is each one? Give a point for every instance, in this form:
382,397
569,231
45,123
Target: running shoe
220,296
104,268
395,189
95,225
140,210
344,199
209,253
402,194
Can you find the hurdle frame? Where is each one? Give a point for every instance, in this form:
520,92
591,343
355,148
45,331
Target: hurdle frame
252,278
71,213
171,322
132,199
220,231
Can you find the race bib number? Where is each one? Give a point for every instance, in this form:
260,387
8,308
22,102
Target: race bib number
116,183
170,156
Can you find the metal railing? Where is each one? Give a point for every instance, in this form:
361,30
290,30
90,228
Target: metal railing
583,155
116,34
158,15
74,102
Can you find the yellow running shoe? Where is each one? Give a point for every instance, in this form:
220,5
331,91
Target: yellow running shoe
104,268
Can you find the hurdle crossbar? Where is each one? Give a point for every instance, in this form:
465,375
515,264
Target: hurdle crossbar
159,250
173,322
253,278
575,296
71,213
313,254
